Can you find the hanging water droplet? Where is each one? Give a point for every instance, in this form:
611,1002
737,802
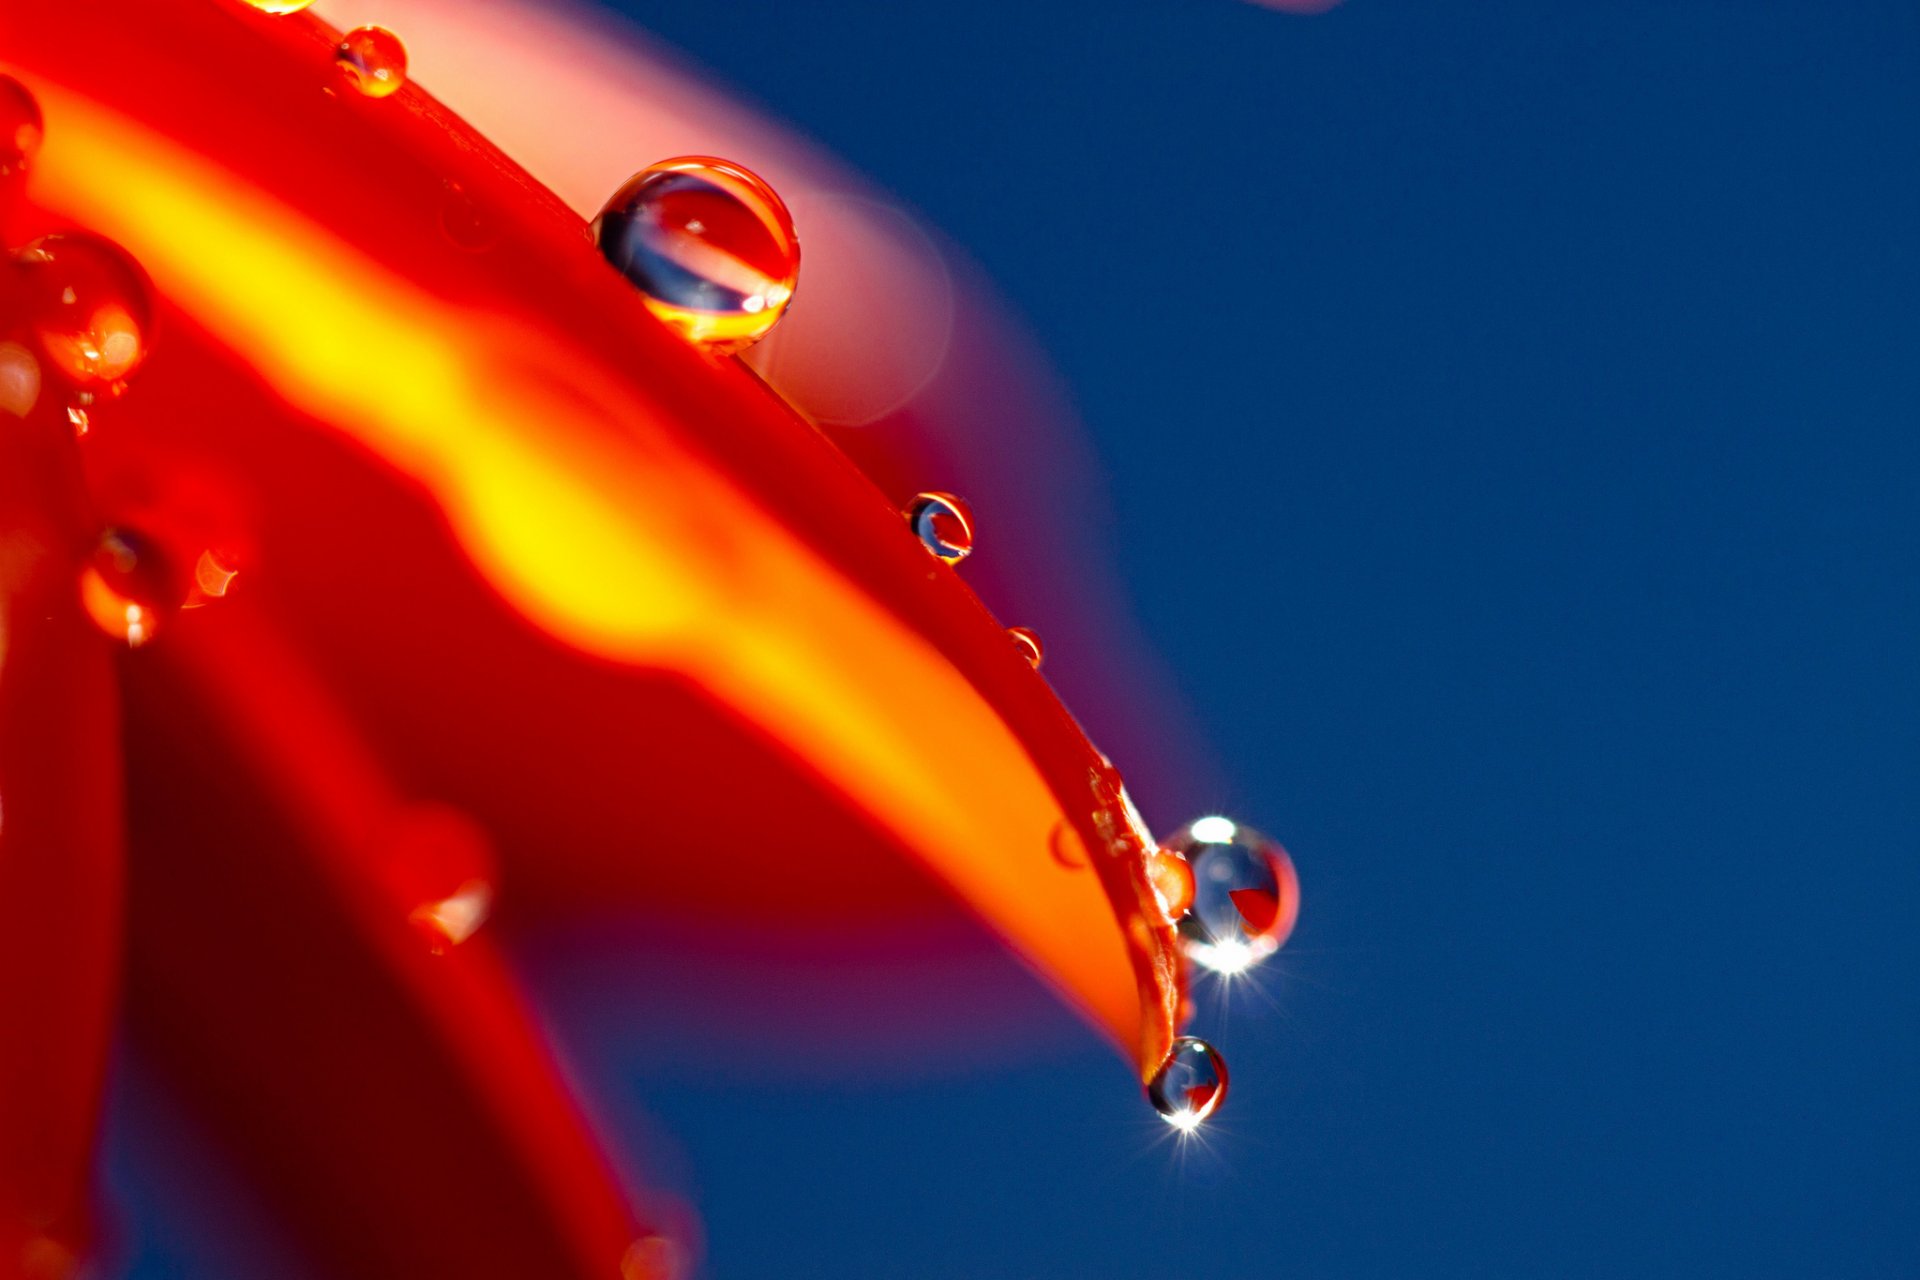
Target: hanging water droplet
1190,1084
89,306
1027,641
1246,895
708,244
128,587
21,128
280,6
944,525
372,60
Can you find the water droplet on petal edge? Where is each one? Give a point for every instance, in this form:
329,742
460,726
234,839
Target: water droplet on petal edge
709,246
1190,1084
944,525
372,60
1028,642
1246,894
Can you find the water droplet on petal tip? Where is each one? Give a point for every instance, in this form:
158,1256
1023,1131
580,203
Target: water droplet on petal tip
1190,1084
89,306
372,60
708,244
279,8
944,525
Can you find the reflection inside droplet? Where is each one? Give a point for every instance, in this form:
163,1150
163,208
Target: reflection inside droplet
1246,895
709,246
944,525
127,587
1190,1084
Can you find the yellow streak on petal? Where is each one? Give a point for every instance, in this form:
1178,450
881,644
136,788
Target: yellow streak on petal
676,567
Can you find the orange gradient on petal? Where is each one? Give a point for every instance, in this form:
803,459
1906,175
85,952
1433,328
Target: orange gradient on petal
672,567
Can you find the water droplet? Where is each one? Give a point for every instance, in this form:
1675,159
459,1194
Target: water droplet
708,244
1025,640
128,587
279,6
19,379
653,1258
1172,881
21,128
90,307
373,60
77,418
1190,1085
1246,895
944,525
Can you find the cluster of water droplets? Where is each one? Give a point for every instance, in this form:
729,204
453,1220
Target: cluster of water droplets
1233,897
79,328
712,251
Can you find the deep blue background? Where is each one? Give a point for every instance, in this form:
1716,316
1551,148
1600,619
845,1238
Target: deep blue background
1513,409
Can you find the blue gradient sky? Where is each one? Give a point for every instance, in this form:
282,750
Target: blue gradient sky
1512,408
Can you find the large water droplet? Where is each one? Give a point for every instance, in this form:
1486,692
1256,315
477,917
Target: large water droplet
944,525
20,127
708,244
280,6
128,586
372,60
1027,641
90,308
1246,895
1190,1085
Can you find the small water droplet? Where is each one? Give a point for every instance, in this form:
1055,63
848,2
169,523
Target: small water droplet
944,525
708,244
21,127
1028,642
77,418
90,308
1066,846
1246,895
279,7
1190,1084
372,60
128,587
